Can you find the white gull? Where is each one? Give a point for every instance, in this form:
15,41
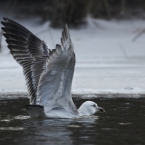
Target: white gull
48,73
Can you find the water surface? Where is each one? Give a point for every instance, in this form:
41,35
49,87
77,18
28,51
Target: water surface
122,123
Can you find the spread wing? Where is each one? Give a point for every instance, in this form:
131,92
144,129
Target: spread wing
54,88
29,51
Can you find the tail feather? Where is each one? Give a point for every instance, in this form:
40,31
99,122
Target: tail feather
34,110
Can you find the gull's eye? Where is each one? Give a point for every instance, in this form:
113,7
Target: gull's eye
94,105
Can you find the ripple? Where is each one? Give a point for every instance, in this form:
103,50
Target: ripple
11,128
6,120
108,129
127,123
74,126
21,117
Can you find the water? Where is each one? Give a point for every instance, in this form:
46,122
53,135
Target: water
122,123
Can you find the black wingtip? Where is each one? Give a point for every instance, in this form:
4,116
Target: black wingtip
3,23
3,28
57,45
4,34
5,19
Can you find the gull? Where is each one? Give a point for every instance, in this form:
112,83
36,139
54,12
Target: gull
48,73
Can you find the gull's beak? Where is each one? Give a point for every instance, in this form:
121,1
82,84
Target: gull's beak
100,109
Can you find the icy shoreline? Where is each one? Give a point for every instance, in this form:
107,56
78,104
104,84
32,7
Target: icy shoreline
21,95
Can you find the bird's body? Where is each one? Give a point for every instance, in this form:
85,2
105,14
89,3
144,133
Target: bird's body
48,73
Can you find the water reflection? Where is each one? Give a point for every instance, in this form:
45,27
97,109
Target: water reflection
56,131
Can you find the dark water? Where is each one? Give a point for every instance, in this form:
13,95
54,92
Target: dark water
122,123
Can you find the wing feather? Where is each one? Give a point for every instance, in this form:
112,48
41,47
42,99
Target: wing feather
29,51
55,82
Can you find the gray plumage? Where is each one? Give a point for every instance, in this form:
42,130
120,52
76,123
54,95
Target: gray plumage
29,51
48,73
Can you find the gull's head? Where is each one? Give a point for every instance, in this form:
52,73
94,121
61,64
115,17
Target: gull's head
89,108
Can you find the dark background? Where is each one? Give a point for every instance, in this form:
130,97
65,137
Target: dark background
74,12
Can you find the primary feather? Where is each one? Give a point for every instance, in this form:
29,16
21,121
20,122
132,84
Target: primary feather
29,51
